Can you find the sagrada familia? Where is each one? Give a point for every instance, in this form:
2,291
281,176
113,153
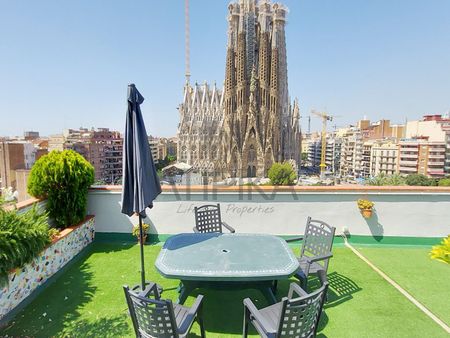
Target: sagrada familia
242,130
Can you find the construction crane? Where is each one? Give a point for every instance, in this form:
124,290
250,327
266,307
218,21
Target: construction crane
325,118
186,41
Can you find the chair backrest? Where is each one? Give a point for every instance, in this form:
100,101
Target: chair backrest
300,316
151,317
208,218
318,240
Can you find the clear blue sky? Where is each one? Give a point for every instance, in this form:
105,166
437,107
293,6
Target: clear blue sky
66,64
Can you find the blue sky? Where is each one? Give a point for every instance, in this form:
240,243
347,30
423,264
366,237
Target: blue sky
66,64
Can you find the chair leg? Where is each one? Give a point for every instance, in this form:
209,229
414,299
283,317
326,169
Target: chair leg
274,286
200,321
246,320
304,283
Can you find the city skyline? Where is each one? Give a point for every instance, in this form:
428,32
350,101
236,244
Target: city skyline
381,60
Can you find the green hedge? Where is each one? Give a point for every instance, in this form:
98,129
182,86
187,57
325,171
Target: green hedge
22,237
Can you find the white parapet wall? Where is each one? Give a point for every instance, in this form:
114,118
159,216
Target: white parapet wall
399,211
23,282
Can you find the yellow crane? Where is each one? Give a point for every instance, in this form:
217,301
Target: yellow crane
325,118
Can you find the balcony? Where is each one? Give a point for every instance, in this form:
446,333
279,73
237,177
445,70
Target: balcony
436,164
407,170
86,298
407,163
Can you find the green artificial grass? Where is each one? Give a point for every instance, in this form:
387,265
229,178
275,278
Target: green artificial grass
427,280
88,301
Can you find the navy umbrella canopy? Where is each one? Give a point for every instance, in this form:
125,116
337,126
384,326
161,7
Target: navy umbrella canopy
140,184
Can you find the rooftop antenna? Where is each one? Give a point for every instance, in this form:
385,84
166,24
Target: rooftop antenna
186,41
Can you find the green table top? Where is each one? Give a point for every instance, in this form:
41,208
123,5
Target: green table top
226,257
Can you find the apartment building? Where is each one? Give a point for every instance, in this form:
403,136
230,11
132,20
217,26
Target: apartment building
383,158
333,154
154,142
421,156
103,148
366,158
426,149
314,152
380,130
167,147
16,155
351,153
56,142
447,150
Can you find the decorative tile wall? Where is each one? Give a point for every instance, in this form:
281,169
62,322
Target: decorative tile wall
22,282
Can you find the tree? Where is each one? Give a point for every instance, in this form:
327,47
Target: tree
417,180
63,178
384,180
445,182
282,174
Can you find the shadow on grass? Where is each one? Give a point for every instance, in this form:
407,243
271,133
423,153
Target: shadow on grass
57,311
340,290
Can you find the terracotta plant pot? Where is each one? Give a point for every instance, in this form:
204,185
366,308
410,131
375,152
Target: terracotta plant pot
366,213
145,238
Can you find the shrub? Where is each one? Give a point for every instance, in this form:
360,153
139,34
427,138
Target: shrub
417,180
442,252
445,182
22,237
282,174
63,178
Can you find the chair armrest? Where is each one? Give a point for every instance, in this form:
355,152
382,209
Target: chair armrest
294,239
258,317
194,310
318,258
195,230
196,306
229,227
295,288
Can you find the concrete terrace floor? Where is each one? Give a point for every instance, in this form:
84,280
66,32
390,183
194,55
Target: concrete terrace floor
87,300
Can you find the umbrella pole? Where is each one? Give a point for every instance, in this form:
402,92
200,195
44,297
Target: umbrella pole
141,243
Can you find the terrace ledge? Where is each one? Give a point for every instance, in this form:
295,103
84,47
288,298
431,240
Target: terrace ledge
295,188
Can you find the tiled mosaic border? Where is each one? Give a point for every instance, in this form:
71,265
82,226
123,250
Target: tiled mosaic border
22,282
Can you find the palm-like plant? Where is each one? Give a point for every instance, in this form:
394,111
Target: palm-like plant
441,252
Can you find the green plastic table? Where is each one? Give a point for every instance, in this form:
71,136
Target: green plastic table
214,260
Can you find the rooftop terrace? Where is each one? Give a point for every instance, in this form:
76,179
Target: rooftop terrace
85,299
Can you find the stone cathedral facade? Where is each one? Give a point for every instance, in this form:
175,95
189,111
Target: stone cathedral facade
242,130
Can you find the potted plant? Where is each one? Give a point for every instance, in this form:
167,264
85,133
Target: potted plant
145,228
366,207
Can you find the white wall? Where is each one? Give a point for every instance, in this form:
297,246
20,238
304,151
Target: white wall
417,214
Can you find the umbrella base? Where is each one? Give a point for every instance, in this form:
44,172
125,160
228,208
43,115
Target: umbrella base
150,287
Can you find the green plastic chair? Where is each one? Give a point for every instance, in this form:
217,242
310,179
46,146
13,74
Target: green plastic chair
160,318
296,316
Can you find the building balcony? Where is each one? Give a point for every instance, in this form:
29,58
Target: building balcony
437,150
439,156
407,155
407,163
436,164
404,169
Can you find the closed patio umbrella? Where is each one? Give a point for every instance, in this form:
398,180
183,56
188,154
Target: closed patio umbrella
140,182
